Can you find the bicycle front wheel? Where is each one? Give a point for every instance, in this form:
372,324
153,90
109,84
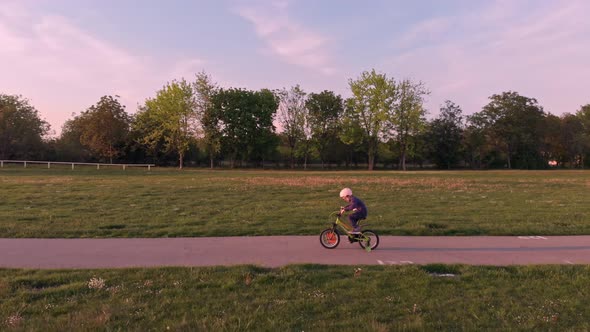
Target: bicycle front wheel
369,240
329,238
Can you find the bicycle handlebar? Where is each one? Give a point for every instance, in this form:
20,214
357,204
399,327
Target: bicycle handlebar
336,213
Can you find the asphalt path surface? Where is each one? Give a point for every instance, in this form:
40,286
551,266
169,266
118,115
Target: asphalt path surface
274,251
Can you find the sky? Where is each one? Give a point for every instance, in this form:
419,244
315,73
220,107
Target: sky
63,55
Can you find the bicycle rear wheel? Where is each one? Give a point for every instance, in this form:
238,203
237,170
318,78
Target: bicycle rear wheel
369,240
329,238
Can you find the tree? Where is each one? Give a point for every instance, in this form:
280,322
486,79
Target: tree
264,140
143,129
407,117
515,122
104,128
324,112
445,135
21,129
573,139
551,148
291,116
68,145
584,114
369,111
352,136
173,118
245,118
211,132
475,142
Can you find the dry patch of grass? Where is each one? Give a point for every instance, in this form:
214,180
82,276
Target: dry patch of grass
423,184
566,181
36,180
48,203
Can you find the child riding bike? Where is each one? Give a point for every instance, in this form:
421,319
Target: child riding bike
358,208
330,237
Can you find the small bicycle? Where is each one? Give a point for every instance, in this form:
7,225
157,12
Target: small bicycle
330,237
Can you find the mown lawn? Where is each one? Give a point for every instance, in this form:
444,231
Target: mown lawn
37,202
298,298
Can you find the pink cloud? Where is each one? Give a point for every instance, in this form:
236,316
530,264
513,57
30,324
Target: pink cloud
289,40
540,52
64,69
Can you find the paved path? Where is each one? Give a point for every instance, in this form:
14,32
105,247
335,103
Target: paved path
275,251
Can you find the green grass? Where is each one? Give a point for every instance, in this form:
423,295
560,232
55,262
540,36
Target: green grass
37,202
298,298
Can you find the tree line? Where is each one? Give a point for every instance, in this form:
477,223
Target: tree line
382,125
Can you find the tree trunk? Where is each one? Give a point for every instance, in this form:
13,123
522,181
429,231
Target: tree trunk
180,159
292,156
403,161
371,155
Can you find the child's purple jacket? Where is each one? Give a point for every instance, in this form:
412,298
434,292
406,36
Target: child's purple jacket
361,209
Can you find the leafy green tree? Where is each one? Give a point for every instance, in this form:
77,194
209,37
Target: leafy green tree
21,129
305,147
292,117
211,131
445,135
421,147
387,153
264,140
584,114
407,119
369,111
515,122
245,119
173,119
551,147
324,112
475,140
69,146
573,139
104,128
145,125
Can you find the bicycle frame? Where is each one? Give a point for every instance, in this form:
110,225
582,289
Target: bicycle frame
339,223
330,237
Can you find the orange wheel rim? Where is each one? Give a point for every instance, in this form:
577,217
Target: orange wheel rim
331,237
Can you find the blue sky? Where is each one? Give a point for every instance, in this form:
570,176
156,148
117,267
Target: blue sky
64,55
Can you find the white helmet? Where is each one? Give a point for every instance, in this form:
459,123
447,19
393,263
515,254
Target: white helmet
345,192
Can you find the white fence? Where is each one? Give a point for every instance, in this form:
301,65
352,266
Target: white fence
49,163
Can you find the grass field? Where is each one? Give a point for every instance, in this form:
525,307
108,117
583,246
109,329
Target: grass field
37,202
298,298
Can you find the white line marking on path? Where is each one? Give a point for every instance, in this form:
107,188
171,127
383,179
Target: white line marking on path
568,262
532,238
380,262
